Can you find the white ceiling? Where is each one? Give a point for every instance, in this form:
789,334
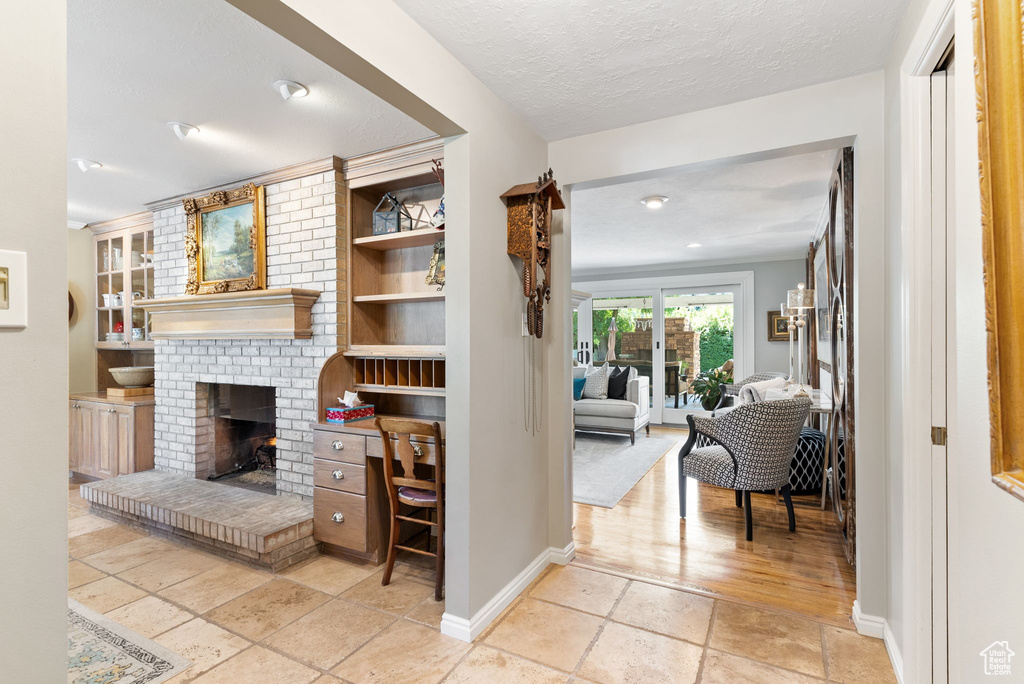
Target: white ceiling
572,67
134,65
737,211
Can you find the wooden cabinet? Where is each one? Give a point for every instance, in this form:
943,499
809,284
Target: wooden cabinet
109,437
124,273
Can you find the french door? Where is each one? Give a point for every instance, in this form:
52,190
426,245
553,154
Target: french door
658,330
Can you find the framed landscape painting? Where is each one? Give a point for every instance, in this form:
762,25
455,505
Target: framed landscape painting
225,241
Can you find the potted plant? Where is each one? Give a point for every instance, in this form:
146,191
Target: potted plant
708,387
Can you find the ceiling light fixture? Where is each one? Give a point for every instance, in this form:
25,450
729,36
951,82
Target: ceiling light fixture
654,201
290,89
181,129
86,164
694,244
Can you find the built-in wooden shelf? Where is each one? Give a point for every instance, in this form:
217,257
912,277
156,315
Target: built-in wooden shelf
411,391
411,351
399,298
409,238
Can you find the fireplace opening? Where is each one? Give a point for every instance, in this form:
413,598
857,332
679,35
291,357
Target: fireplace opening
245,436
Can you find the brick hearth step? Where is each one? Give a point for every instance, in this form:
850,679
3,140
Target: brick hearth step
260,529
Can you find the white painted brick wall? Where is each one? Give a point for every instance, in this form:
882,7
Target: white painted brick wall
306,238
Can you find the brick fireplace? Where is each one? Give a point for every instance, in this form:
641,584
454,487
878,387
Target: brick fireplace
306,238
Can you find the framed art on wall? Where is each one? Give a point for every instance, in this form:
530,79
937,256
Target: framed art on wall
226,241
999,73
778,327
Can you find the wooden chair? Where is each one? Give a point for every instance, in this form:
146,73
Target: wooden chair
408,489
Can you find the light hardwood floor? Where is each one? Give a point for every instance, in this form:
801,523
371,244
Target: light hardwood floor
804,572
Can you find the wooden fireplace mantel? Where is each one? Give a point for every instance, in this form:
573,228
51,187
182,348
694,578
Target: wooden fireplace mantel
282,314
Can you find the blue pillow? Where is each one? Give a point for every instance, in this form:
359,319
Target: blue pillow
577,388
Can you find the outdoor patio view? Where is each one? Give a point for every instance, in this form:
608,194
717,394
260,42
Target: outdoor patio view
698,337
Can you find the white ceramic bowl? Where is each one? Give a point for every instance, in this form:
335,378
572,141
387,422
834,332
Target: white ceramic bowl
133,376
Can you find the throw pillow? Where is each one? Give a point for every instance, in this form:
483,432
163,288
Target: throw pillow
581,371
596,386
617,383
577,388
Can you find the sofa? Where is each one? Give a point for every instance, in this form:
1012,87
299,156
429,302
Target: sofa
625,416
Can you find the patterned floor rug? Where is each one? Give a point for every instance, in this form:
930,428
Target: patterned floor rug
606,467
100,651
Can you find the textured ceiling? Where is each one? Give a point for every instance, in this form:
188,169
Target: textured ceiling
736,211
572,67
134,65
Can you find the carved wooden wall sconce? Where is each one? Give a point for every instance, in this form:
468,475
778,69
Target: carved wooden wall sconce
529,238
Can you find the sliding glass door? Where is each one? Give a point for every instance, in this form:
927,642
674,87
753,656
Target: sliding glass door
670,330
699,325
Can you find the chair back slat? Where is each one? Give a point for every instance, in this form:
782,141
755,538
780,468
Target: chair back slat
396,445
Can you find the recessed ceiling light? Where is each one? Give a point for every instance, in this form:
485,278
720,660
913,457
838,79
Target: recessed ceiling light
694,244
654,201
290,89
181,129
86,164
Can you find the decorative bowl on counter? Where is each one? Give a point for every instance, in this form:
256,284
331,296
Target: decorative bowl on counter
133,376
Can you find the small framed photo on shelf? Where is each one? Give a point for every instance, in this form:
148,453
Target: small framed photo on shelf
778,327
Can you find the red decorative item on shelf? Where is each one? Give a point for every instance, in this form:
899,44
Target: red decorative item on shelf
119,327
346,414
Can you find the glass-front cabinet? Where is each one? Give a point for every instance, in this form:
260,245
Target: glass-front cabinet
124,275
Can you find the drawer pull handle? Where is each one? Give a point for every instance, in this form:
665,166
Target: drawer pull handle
338,518
417,451
338,446
338,475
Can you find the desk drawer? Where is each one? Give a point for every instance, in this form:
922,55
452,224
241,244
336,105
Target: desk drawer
374,448
343,477
339,518
339,446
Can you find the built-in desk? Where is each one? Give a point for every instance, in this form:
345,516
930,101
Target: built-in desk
350,503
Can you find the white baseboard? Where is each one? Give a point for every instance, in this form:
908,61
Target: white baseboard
895,657
868,625
467,630
878,627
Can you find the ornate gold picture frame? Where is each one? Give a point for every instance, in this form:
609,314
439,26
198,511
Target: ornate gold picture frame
226,241
999,72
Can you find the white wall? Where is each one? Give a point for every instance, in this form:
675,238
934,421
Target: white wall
81,343
818,117
771,281
34,361
497,472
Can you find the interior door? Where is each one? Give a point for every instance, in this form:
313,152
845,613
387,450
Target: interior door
943,194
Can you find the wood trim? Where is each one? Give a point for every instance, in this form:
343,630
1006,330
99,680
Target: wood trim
396,162
281,175
142,219
999,73
250,314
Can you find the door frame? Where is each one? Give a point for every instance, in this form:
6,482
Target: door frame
922,638
743,311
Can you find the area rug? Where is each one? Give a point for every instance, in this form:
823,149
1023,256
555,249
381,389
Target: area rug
100,651
606,467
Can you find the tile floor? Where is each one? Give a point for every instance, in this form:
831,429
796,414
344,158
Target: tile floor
329,621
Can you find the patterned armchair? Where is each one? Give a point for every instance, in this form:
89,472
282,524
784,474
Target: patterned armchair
733,389
751,449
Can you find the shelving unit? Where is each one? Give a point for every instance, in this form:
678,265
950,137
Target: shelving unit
124,268
396,354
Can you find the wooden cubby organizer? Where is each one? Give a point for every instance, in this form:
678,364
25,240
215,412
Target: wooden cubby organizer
395,357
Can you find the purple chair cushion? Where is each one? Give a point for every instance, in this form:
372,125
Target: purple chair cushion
417,495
